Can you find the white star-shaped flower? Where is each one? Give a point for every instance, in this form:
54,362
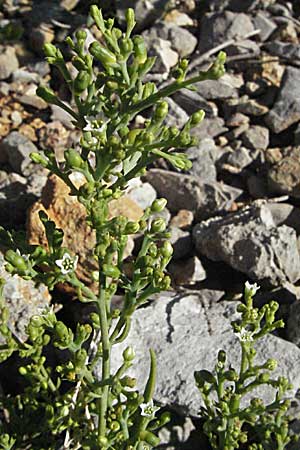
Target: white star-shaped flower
91,123
67,263
251,288
148,409
245,335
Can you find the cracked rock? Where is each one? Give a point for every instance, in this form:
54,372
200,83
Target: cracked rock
250,242
186,333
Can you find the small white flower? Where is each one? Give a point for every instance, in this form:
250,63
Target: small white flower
251,288
91,123
148,409
245,335
67,264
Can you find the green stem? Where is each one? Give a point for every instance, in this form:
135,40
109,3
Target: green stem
46,375
106,347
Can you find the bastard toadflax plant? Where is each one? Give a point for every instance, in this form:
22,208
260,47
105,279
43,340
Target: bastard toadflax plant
66,407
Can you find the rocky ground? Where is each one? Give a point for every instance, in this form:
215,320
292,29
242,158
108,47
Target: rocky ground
233,217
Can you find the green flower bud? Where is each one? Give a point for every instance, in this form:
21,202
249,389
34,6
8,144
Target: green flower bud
166,250
148,89
164,418
184,139
204,376
111,271
232,375
130,20
165,283
197,117
150,438
126,46
22,370
81,82
105,56
271,364
50,50
158,205
158,225
81,35
128,354
222,356
80,359
60,329
263,377
47,94
38,159
114,425
161,111
17,261
131,228
73,159
36,321
139,49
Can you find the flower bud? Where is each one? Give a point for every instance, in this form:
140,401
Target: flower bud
158,225
263,377
158,205
81,82
50,50
105,56
17,261
81,35
139,49
73,159
131,228
271,364
128,354
126,46
38,159
184,139
204,376
130,20
161,111
197,117
36,321
167,249
111,271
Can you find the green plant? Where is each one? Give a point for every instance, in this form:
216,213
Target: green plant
228,422
66,406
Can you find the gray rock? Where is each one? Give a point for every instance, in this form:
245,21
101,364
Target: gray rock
252,108
17,194
283,49
62,116
203,158
30,98
8,61
218,27
293,323
189,192
265,24
250,242
23,300
284,177
191,101
186,333
239,158
182,41
23,75
181,241
187,272
297,135
237,5
177,116
256,138
285,214
216,90
143,195
166,57
209,128
286,109
18,148
146,11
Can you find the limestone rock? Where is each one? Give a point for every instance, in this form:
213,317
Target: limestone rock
250,242
18,148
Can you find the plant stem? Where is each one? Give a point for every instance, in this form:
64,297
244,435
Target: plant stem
106,347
